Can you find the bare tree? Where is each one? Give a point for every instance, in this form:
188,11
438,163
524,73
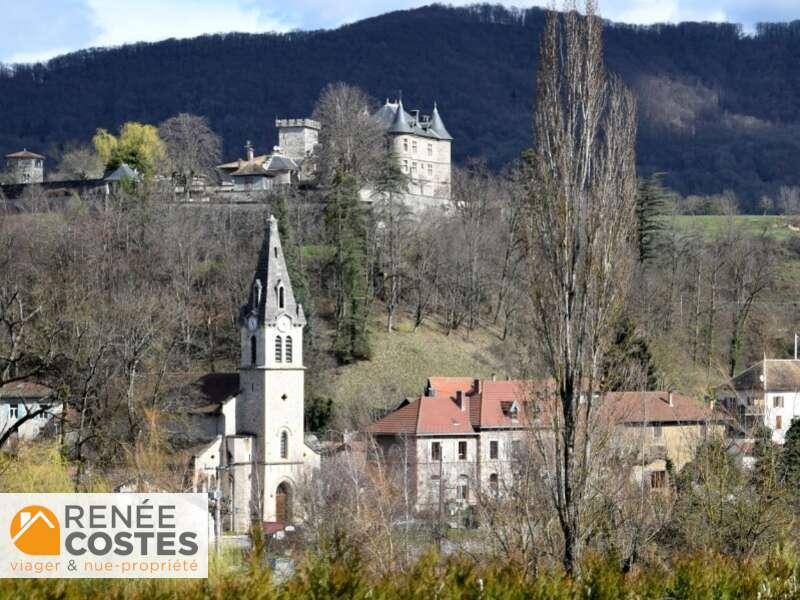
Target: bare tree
351,140
79,162
192,147
580,224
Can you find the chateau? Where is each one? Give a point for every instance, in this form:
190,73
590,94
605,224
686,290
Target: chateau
255,455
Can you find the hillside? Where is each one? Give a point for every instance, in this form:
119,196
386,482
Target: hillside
719,110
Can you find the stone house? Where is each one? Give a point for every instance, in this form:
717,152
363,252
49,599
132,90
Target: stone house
766,393
25,167
463,434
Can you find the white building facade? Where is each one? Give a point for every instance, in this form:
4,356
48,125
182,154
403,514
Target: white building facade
766,393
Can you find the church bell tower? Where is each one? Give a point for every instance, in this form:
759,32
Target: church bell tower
271,375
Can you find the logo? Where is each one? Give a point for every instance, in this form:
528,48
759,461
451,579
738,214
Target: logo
35,531
140,536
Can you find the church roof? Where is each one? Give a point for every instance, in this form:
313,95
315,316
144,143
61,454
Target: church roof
270,277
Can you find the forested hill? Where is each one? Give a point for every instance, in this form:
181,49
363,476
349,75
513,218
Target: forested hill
719,110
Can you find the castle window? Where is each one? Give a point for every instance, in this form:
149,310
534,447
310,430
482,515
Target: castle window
278,349
405,166
405,145
280,297
414,167
430,149
494,484
462,450
430,170
284,445
253,351
493,449
13,411
288,348
414,147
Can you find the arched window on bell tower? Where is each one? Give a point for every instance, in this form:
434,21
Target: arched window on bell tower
288,348
284,444
278,349
281,301
253,351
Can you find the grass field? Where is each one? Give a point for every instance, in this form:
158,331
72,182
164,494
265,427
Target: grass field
774,226
404,359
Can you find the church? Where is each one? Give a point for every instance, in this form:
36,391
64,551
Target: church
254,456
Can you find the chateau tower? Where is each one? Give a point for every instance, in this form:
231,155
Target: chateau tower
271,374
25,167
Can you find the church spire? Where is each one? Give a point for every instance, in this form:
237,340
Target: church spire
271,292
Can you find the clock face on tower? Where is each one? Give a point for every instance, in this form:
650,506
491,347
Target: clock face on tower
252,323
284,323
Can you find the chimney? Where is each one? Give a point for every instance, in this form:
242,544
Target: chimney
463,401
669,397
494,376
248,147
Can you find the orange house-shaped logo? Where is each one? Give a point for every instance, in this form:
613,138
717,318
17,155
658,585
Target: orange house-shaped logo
35,530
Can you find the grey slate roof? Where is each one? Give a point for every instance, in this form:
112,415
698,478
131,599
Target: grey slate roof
437,125
279,162
122,172
395,119
271,274
782,375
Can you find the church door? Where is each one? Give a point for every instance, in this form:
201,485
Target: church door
283,503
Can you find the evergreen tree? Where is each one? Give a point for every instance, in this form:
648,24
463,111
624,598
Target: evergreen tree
789,466
629,362
650,204
345,222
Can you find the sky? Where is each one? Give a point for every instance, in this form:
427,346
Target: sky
34,30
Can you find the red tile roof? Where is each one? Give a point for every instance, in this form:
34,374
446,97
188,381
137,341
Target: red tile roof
24,154
654,407
490,403
425,415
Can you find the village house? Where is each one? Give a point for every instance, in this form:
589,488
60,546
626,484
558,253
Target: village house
465,433
250,449
766,393
26,406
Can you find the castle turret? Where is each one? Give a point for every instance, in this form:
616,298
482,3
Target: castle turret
25,167
297,138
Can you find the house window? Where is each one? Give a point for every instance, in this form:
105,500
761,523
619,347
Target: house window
516,449
280,297
462,450
288,348
657,432
430,149
414,168
493,483
462,490
405,145
414,147
777,402
658,480
778,422
436,451
493,450
44,408
278,349
13,411
284,444
405,166
253,351
430,170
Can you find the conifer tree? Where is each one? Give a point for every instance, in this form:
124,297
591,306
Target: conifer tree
650,204
789,467
345,223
